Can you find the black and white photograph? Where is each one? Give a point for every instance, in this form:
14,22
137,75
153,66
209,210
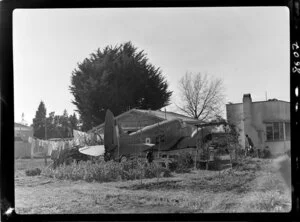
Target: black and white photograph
152,110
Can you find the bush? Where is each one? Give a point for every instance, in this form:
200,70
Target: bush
101,171
266,153
33,172
216,164
247,164
173,166
182,164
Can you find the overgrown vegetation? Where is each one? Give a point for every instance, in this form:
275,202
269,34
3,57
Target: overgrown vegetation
182,164
33,172
102,171
251,185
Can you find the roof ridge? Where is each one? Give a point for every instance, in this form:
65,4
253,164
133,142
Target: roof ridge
262,101
178,114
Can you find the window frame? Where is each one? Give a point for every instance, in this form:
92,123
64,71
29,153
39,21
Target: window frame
282,133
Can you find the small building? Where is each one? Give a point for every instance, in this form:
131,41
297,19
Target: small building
135,119
267,123
22,146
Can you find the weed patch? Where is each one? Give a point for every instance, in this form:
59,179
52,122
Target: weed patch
102,171
33,172
182,164
270,201
163,185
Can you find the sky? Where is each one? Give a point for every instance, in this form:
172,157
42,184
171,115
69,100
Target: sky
247,47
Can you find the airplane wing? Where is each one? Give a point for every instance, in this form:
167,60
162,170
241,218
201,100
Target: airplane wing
92,150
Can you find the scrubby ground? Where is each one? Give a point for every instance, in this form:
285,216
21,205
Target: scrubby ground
252,186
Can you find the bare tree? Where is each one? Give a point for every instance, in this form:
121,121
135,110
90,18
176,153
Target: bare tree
202,97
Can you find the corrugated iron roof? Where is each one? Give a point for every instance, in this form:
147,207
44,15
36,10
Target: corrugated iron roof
166,115
156,113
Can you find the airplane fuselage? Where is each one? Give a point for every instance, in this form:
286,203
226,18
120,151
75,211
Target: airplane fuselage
164,135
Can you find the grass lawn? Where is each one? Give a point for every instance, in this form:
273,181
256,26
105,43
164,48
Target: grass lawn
255,186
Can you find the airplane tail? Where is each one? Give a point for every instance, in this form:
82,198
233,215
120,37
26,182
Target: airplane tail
111,138
111,132
111,147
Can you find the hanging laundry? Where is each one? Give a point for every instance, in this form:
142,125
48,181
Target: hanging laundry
36,147
82,138
49,148
63,145
54,145
41,146
66,145
45,147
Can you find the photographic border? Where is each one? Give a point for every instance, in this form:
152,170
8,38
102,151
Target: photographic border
7,107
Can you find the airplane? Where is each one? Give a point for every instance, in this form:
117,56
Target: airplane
168,135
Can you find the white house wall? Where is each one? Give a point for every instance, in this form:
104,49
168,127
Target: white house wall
254,123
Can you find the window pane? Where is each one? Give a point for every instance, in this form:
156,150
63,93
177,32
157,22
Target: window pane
276,131
287,131
281,136
269,130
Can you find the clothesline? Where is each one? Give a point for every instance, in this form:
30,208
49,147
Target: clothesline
46,147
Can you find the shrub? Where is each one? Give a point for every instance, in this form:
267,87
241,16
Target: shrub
182,164
33,172
216,164
266,153
102,171
173,166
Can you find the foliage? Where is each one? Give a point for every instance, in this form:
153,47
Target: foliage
116,78
74,122
53,126
67,156
61,126
101,171
202,98
182,163
39,122
270,201
247,164
33,172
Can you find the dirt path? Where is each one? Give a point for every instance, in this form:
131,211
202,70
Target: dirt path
199,191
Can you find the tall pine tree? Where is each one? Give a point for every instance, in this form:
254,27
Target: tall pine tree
39,122
74,122
116,78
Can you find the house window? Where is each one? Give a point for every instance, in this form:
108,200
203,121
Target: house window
275,131
269,131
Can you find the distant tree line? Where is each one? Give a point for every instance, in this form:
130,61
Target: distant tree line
54,126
